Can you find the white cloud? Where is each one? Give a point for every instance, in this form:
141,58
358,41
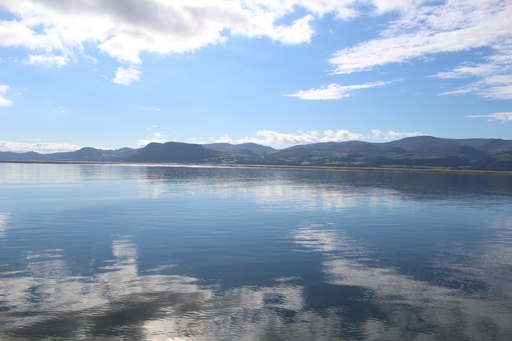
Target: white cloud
124,29
222,139
153,127
126,76
4,102
318,7
49,60
383,6
275,138
378,134
493,86
269,137
145,142
155,137
55,32
429,28
299,31
502,117
40,147
333,91
341,135
494,75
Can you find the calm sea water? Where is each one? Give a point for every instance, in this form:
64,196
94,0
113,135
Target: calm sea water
161,253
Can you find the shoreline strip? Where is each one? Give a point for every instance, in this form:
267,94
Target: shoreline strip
282,167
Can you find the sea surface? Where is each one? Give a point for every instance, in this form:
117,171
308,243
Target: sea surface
189,253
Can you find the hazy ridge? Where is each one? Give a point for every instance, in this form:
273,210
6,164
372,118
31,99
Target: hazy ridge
411,152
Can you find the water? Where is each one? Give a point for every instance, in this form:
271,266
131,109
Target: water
161,253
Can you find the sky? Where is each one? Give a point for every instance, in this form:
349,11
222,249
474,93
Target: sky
123,73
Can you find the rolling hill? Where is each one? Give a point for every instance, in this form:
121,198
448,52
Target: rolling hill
411,152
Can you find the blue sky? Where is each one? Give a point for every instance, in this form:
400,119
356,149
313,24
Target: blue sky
121,73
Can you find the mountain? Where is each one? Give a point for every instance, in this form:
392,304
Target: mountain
245,153
85,154
490,146
411,152
419,151
93,154
351,153
341,147
429,145
13,156
240,148
174,152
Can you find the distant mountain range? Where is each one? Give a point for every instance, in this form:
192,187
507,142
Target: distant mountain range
411,152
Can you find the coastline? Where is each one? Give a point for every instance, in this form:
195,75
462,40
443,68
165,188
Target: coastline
282,167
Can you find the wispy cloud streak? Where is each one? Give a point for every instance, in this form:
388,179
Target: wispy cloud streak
427,29
334,91
502,117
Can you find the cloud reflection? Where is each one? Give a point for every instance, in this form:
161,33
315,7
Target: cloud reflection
272,188
415,308
26,173
44,300
4,218
291,189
